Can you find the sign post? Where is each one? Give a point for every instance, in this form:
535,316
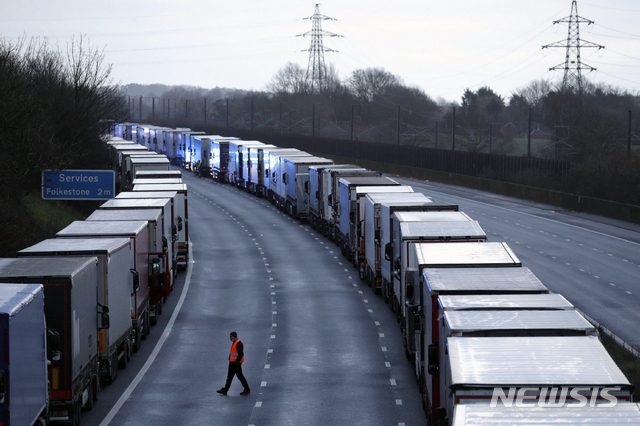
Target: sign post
78,184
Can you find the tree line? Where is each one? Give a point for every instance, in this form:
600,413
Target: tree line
55,109
596,129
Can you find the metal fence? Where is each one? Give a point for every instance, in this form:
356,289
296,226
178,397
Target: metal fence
493,166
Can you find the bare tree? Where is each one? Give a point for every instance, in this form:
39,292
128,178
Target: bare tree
291,78
367,83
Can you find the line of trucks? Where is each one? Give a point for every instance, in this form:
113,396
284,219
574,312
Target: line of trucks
73,309
489,343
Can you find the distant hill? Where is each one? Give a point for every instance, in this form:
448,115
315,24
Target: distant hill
184,92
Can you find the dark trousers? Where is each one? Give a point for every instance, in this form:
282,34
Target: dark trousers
235,369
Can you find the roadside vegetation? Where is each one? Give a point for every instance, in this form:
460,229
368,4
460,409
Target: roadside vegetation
590,129
55,108
626,361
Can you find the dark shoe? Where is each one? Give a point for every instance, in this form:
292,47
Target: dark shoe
222,391
246,392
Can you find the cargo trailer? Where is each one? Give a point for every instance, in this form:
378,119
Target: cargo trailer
70,292
464,277
138,233
115,263
180,212
23,355
552,371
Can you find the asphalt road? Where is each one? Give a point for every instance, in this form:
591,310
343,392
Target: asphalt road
320,347
593,261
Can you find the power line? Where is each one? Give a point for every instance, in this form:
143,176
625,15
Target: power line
572,65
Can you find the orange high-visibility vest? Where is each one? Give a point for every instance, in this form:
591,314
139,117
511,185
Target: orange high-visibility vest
233,355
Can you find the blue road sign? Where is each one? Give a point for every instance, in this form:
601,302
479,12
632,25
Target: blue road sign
78,184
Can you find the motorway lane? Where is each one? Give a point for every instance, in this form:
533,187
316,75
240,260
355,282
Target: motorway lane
321,348
593,261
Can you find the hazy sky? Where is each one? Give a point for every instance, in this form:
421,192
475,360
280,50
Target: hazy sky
442,47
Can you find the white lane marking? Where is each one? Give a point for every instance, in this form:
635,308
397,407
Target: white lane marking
534,216
393,382
165,334
258,404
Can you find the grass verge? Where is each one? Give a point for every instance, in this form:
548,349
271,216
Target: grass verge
626,361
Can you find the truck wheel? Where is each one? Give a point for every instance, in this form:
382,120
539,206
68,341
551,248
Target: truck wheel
122,362
114,368
159,307
96,389
154,319
77,412
138,339
92,398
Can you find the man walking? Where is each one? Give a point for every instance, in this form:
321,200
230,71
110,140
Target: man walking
236,358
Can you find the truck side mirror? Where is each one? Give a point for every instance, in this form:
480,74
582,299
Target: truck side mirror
136,280
434,354
179,224
410,293
388,252
105,318
165,244
329,200
306,187
417,323
376,237
53,345
174,233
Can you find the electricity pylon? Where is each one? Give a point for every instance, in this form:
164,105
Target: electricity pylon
572,65
317,70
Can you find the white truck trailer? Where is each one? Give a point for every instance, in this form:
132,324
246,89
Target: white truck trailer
576,415
346,220
115,262
465,276
543,371
296,184
180,212
138,233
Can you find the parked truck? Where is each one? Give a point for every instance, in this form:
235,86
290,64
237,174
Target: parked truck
318,192
138,233
115,262
23,356
459,276
273,172
237,163
378,224
160,277
575,370
295,192
180,212
169,231
70,287
136,163
220,157
253,166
